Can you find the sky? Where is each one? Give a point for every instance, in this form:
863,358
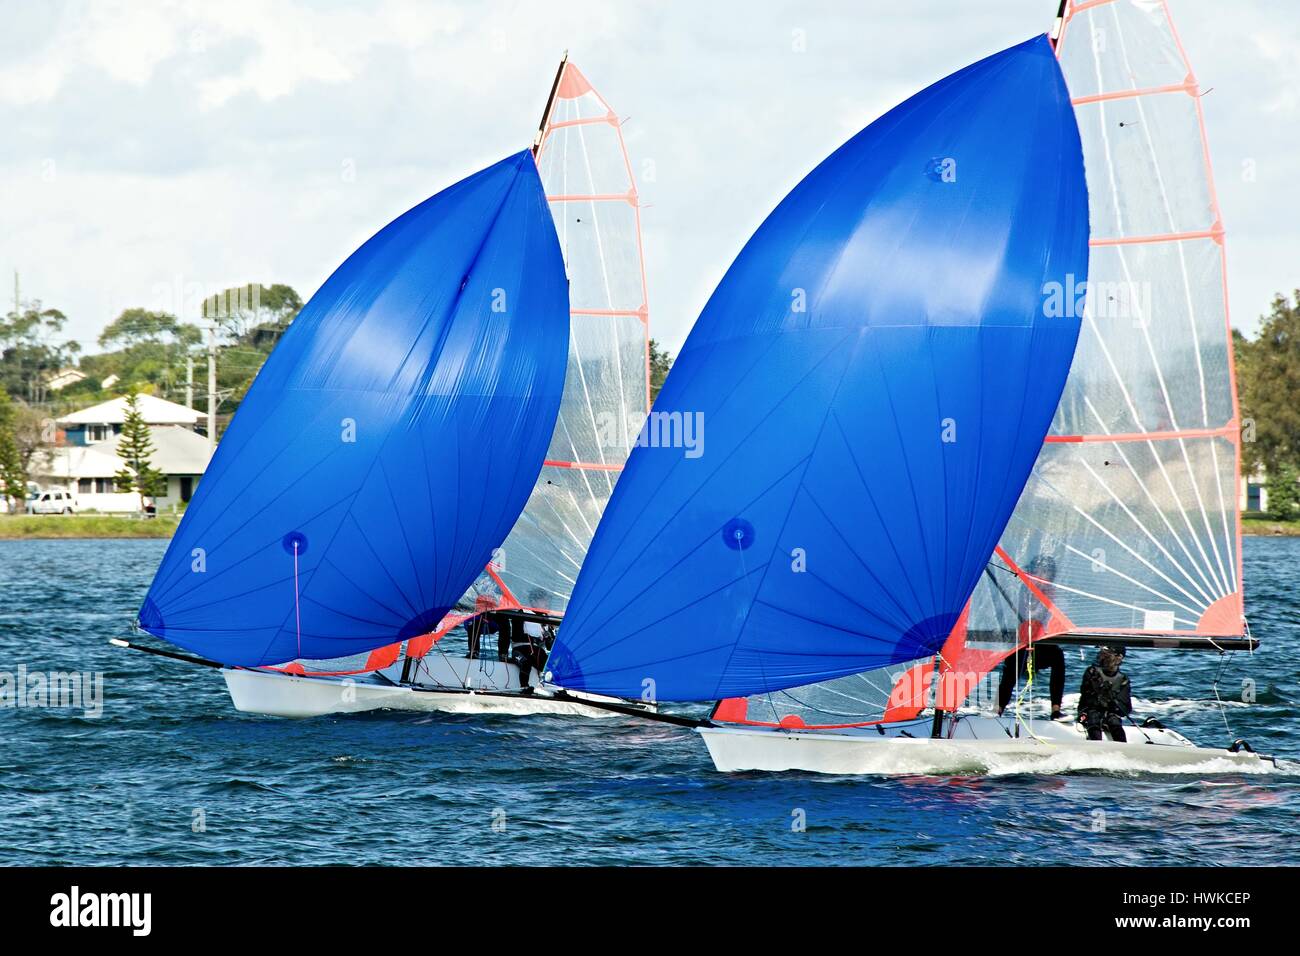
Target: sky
152,153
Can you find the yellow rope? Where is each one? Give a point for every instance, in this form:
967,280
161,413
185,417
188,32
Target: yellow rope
1029,683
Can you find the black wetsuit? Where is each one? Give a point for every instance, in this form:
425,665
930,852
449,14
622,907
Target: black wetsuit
530,652
1047,657
1104,702
510,631
476,627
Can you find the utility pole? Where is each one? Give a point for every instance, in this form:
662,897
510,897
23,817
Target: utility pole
189,381
212,388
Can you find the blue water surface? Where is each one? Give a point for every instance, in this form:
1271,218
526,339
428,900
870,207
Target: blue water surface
170,773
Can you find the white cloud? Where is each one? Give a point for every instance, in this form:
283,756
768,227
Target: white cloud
146,141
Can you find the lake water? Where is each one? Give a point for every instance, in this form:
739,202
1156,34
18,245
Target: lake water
171,773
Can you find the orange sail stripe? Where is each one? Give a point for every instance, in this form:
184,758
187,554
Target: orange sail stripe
1229,430
628,197
1215,232
1185,87
625,313
608,119
582,465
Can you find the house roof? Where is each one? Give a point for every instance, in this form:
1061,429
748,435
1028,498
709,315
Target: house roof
177,451
156,411
63,378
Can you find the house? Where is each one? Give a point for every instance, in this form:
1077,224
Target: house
63,378
85,459
88,470
101,422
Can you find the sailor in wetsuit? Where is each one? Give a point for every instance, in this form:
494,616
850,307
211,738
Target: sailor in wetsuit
1104,696
1039,657
481,623
532,643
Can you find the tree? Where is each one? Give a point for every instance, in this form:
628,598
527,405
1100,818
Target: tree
1283,492
13,471
253,313
140,326
251,318
1269,377
135,447
661,360
28,350
147,348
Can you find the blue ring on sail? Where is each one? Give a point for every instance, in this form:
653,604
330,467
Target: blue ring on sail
295,542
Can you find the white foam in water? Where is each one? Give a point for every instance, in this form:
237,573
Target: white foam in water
905,761
1142,707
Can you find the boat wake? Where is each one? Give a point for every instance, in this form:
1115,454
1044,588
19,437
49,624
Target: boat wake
1143,708
896,762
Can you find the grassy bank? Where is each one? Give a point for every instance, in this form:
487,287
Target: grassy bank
85,526
121,526
1258,524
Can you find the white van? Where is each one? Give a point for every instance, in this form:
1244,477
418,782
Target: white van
51,503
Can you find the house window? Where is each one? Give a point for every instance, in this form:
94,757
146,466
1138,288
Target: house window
97,433
85,486
105,486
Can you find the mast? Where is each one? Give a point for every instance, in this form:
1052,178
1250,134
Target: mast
550,104
1057,24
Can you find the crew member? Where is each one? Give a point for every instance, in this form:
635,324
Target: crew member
1104,696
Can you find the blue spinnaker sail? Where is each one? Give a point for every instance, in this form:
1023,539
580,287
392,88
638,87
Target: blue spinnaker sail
388,444
852,418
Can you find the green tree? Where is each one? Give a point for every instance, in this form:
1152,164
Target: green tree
253,314
13,470
145,348
1283,491
661,360
135,448
251,319
1243,351
1268,373
29,350
140,326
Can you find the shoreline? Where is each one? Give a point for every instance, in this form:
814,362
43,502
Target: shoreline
110,527
85,527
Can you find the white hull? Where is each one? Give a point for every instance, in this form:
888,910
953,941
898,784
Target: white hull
978,745
288,695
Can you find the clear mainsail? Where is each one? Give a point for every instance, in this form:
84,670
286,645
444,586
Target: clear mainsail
1131,512
1128,527
585,169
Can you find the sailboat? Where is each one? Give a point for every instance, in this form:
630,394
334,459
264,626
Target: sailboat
418,544
837,577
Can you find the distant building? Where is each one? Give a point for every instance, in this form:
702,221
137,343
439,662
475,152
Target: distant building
101,422
63,378
84,461
1254,491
